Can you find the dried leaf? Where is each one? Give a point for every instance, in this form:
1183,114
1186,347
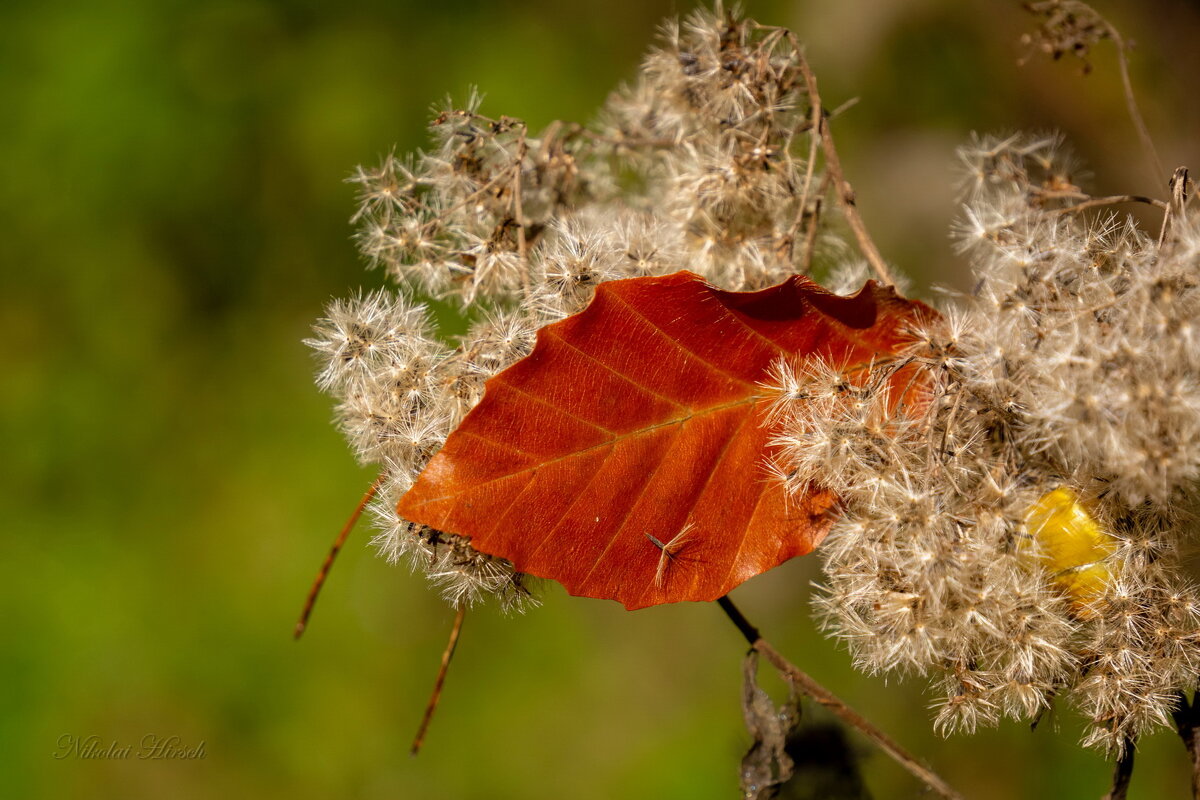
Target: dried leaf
624,457
767,764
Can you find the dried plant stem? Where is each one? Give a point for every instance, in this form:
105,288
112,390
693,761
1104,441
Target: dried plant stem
1187,720
810,237
833,167
518,210
493,182
1108,201
814,125
820,694
621,142
1086,11
436,694
315,590
1122,774
1174,210
1131,100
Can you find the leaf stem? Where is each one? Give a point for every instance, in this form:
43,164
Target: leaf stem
820,694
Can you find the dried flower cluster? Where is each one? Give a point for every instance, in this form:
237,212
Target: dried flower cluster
1012,521
1068,28
693,166
1014,531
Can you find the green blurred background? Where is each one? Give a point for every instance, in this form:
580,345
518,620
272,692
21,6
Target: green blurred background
174,218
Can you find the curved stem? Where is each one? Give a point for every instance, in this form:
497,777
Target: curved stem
833,166
323,573
1135,113
438,682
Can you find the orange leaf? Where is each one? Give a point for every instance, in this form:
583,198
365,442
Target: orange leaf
624,457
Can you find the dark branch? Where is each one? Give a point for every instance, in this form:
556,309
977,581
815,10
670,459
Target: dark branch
1187,721
1122,774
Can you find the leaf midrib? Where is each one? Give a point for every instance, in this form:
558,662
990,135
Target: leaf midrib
616,438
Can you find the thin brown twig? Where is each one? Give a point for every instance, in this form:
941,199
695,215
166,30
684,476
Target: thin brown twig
315,589
1086,11
522,252
1135,113
802,208
491,182
1122,774
814,140
810,236
1109,201
844,107
621,141
1178,188
833,166
438,682
820,694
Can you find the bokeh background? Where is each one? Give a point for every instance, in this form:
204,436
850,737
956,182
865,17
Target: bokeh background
173,218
